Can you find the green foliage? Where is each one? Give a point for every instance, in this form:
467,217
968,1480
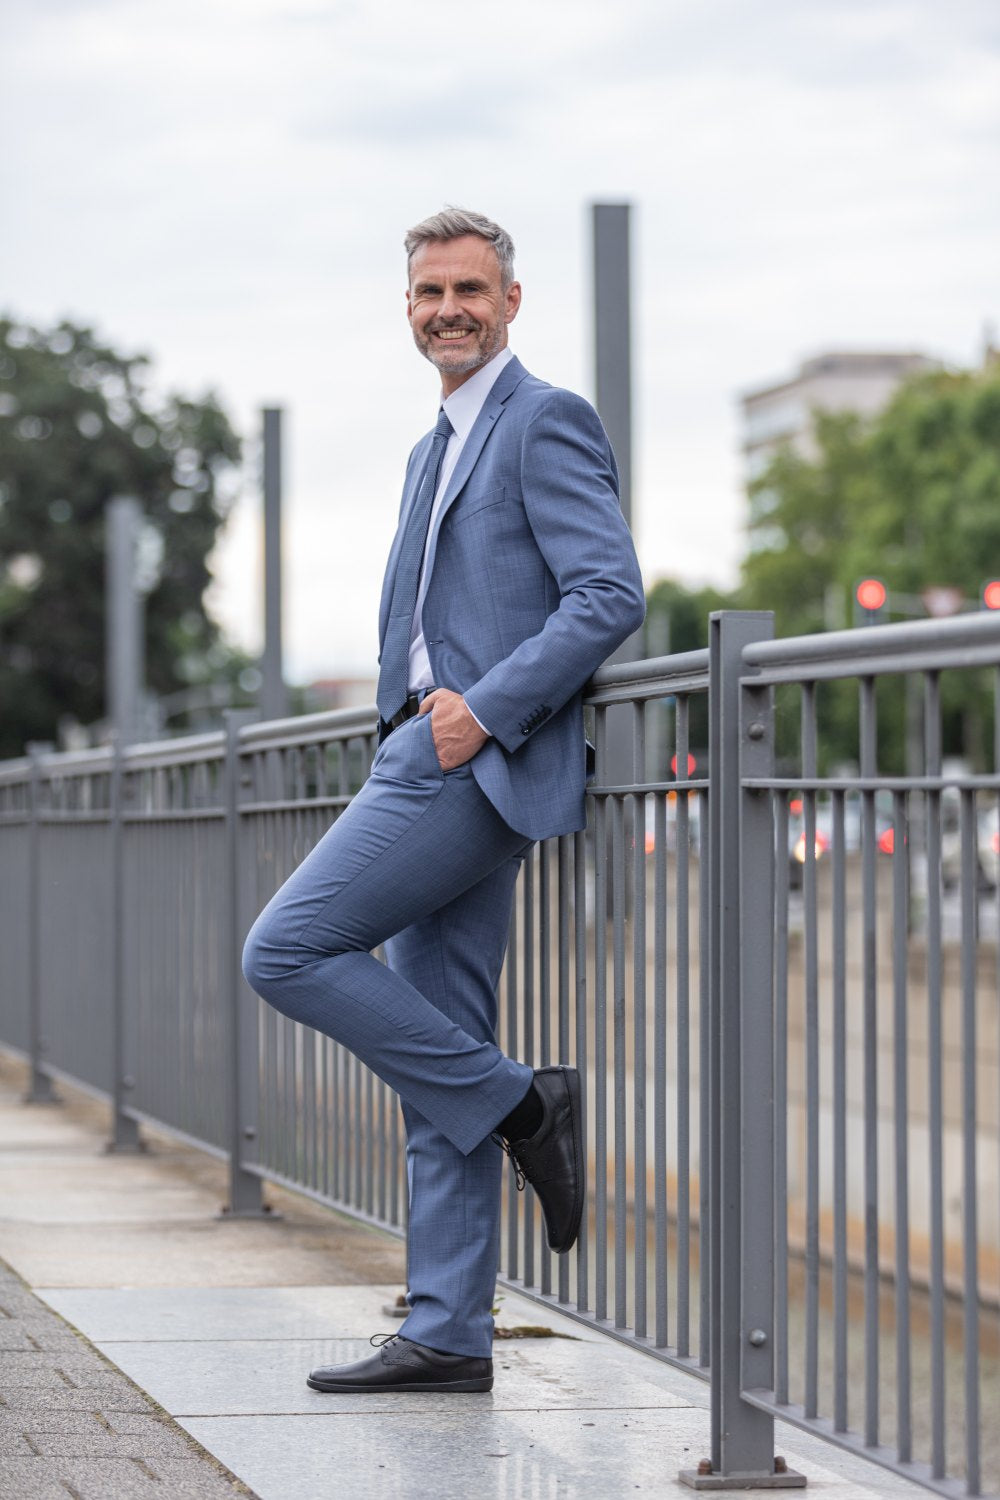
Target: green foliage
677,621
912,497
77,427
677,617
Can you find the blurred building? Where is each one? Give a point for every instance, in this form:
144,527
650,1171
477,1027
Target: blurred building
339,692
774,415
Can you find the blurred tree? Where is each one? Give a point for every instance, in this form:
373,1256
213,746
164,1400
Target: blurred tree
677,616
76,428
677,620
912,497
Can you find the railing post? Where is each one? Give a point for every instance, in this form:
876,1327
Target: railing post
245,1186
740,1071
40,1089
124,1129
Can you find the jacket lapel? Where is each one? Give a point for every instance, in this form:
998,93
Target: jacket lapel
506,383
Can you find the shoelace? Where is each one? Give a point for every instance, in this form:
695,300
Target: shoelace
508,1151
379,1340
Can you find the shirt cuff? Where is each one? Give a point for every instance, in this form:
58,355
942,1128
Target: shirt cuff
479,721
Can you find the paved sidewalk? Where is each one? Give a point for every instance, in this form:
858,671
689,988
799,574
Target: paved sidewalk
218,1321
72,1424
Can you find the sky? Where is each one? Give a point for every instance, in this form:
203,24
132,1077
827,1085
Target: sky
225,185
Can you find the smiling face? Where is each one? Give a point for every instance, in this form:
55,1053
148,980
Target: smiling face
457,306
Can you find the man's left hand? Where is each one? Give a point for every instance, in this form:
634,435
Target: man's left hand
457,735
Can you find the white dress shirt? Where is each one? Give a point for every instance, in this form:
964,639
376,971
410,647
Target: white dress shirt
462,408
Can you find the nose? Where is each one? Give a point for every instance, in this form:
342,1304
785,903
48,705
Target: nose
451,304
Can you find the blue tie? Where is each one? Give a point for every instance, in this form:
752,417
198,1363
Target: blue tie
393,678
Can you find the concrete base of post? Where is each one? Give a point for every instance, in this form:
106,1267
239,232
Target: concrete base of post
783,1478
127,1142
41,1089
265,1211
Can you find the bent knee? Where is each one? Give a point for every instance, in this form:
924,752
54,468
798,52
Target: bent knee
267,960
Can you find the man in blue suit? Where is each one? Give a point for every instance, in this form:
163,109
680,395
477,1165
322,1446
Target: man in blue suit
511,578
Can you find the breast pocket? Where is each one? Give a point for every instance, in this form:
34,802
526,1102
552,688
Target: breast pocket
474,505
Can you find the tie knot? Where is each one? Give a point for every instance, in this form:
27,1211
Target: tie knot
443,427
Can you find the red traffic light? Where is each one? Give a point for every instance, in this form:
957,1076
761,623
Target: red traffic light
991,594
692,765
871,593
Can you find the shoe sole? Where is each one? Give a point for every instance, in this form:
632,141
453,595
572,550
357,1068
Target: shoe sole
426,1387
571,1077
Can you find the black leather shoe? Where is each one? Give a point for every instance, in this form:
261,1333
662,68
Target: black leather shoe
552,1159
402,1365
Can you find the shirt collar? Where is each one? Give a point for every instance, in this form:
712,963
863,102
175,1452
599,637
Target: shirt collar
464,405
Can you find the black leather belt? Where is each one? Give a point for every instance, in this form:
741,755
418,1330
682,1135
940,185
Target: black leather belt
409,710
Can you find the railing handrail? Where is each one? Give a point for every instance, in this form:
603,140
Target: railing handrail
875,650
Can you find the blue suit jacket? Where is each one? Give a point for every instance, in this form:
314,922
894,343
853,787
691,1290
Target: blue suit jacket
533,582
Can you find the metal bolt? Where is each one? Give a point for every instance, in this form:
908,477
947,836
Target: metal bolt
705,1466
757,1337
780,1466
249,1132
756,730
128,1082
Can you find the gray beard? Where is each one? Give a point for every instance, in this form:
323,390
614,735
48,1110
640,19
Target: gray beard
473,361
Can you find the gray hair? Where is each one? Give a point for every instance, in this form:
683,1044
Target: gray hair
452,224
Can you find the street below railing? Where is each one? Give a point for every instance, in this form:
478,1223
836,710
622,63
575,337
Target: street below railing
778,977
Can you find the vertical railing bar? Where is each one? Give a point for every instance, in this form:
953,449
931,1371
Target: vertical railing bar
582,1051
809,902
840,1308
935,1106
781,1099
683,989
970,1215
513,1206
544,1005
369,1142
620,1147
309,1104
528,1041
639,1321
900,923
336,1122
660,1152
869,888
325,1127
705,852
358,1165
600,1028
565,867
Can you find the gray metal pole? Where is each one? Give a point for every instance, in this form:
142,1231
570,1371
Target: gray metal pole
123,615
742,1453
273,698
124,1128
245,1186
40,1090
613,393
613,337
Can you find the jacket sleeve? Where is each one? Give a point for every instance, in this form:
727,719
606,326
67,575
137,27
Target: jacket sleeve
569,488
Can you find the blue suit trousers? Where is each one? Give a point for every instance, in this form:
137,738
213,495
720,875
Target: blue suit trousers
421,862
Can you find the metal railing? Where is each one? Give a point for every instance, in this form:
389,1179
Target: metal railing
781,988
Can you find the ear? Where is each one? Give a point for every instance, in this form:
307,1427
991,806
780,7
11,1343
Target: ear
512,301
409,306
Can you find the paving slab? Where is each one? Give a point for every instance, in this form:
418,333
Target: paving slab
494,1454
191,1328
73,1424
